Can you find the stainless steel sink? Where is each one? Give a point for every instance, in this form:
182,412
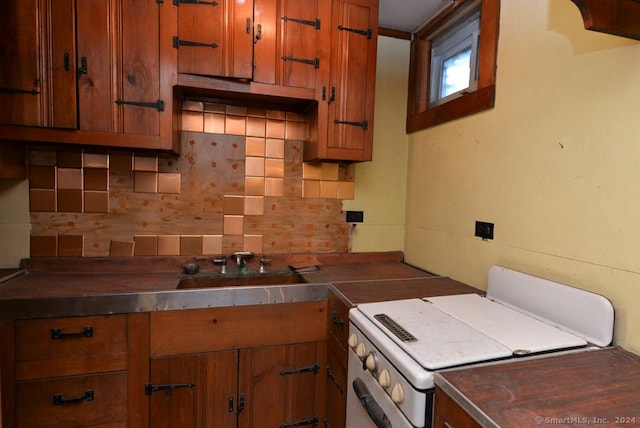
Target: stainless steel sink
240,280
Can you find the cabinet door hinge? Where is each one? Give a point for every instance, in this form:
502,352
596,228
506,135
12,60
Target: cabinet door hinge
150,388
311,421
208,3
177,43
315,369
367,33
18,91
315,62
364,124
315,24
158,105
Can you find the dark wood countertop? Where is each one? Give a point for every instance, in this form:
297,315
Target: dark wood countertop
597,387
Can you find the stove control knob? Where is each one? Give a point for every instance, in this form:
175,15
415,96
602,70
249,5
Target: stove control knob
371,362
384,379
397,394
361,350
353,340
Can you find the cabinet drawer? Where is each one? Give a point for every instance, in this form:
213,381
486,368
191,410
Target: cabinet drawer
215,329
70,346
338,319
448,413
79,401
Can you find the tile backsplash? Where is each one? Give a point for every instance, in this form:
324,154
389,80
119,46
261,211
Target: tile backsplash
240,184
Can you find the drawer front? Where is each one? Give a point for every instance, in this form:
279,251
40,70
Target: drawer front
216,329
79,401
338,319
70,346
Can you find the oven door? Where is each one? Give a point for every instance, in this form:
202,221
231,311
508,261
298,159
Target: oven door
368,406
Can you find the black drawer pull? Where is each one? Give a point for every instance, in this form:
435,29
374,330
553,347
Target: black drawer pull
315,369
59,400
56,333
337,321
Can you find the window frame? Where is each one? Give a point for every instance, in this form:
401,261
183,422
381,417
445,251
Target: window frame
421,114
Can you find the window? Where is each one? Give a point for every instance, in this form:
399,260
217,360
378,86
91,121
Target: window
453,60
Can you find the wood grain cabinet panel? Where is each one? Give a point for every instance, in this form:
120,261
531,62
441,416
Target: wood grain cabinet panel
343,124
449,414
70,346
80,401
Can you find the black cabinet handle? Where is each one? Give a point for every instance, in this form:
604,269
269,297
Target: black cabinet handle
337,321
57,333
59,400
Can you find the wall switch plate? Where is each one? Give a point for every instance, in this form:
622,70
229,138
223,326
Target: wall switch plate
484,230
355,216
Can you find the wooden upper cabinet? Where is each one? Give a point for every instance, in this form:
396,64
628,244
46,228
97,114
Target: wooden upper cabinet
619,17
215,38
20,78
345,108
287,36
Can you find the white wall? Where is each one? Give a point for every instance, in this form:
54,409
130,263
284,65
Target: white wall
380,185
555,165
15,225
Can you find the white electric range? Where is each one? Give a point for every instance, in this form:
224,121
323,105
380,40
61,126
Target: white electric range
396,346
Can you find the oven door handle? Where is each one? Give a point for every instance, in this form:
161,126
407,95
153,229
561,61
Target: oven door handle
375,412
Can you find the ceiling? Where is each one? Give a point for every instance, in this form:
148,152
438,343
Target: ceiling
408,15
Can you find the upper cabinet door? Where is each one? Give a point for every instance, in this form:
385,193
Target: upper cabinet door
345,110
20,79
215,38
287,37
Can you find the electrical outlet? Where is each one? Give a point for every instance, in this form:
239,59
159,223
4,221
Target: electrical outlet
355,216
484,230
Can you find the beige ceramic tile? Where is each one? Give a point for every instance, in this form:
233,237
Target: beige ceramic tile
276,114
70,245
145,163
235,125
95,160
256,112
233,224
190,245
312,171
310,188
96,202
121,248
274,167
329,189
255,127
42,200
168,245
276,129
275,148
215,108
96,179
254,167
274,187
192,121
236,110
214,123
254,186
69,178
42,177
296,131
69,200
293,116
69,158
146,245
169,182
44,245
192,105
253,243
255,146
330,171
42,156
145,182
346,190
254,205
211,244
233,205
120,161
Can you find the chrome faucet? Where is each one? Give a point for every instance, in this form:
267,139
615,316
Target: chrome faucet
241,259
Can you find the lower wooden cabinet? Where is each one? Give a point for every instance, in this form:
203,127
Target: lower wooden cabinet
338,329
448,414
